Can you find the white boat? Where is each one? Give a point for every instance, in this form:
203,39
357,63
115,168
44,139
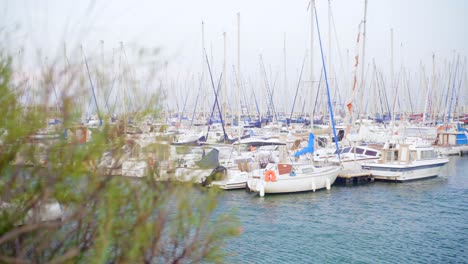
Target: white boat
351,157
234,179
405,162
452,140
239,164
287,178
191,170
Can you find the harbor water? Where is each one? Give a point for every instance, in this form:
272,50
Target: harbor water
422,221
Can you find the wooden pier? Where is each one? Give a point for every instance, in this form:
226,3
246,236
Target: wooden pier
351,177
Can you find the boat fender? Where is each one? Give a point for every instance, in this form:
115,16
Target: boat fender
270,176
262,191
292,174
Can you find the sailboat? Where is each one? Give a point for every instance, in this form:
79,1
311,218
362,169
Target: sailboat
287,177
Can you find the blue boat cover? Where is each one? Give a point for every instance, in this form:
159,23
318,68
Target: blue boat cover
309,148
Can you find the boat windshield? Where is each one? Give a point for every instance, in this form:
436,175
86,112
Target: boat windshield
371,153
346,150
360,151
428,154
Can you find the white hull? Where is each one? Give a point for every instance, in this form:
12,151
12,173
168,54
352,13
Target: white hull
355,165
406,172
235,180
230,185
452,150
318,179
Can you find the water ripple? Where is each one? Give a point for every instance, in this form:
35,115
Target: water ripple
415,222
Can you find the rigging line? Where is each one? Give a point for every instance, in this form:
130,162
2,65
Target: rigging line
328,89
340,58
216,95
395,99
113,81
317,95
238,84
459,89
448,91
214,105
132,77
54,88
185,104
297,88
270,104
408,76
120,76
92,86
256,105
355,80
337,43
247,103
196,100
453,91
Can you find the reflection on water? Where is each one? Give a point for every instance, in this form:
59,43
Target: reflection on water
419,221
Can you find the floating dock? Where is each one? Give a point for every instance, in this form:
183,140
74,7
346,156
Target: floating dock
353,176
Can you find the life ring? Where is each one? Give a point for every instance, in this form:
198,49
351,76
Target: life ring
270,176
446,127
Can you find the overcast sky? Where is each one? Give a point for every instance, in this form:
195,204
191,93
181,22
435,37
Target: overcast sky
421,28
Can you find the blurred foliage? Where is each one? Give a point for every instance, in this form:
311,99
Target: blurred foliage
103,218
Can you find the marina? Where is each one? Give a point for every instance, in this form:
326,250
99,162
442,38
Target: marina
234,132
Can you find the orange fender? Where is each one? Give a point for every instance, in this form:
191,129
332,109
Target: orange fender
270,176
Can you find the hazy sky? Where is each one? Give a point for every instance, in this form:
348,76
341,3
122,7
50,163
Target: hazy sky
421,28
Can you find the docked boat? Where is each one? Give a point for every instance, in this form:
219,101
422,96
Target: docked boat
189,169
452,140
233,179
405,162
287,177
351,157
235,170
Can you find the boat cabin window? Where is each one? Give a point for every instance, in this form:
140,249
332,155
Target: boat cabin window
428,154
322,142
392,155
360,151
371,153
346,150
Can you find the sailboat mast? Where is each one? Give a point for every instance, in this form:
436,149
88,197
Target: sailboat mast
392,73
363,64
312,21
239,77
203,71
330,68
285,72
224,79
124,94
